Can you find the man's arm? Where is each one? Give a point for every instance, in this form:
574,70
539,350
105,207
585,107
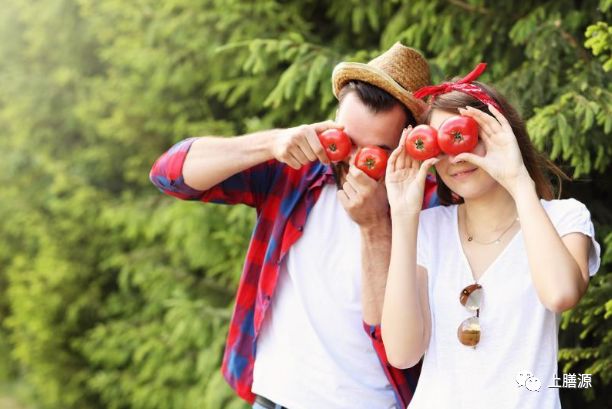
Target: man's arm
365,200
375,252
212,160
234,170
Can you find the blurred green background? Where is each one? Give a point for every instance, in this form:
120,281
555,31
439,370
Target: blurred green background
115,296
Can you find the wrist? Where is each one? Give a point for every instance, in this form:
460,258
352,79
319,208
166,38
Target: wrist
521,184
268,141
376,225
404,215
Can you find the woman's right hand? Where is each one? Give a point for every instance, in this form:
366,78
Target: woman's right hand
405,179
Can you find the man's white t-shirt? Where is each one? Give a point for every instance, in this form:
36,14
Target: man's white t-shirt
518,347
312,351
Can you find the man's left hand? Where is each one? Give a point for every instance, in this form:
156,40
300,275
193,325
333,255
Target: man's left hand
364,198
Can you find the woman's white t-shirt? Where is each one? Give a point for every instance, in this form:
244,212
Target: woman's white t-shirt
515,361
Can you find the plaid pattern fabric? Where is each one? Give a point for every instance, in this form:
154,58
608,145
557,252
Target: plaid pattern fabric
283,197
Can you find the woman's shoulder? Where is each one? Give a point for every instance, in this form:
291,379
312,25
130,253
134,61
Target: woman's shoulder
561,207
437,214
566,212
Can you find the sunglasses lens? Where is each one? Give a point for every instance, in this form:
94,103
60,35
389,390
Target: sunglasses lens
471,297
469,332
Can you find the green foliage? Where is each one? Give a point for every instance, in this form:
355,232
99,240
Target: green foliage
600,40
114,296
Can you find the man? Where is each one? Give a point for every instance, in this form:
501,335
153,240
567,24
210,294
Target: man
297,336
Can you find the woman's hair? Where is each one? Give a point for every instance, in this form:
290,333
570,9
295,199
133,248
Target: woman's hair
537,164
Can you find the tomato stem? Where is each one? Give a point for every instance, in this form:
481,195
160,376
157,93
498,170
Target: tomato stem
457,137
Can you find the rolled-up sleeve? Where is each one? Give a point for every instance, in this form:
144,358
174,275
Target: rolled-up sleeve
247,187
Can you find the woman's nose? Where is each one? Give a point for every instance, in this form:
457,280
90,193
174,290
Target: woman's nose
451,158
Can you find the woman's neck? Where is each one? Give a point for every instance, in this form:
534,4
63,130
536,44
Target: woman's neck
490,212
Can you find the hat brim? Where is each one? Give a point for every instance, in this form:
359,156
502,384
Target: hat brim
349,71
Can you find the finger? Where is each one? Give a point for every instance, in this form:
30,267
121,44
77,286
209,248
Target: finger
325,125
425,167
485,121
360,179
403,154
500,117
483,132
291,161
343,198
391,162
350,191
316,146
297,153
470,157
412,163
304,145
350,180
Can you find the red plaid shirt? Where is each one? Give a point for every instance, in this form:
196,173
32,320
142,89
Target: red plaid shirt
282,197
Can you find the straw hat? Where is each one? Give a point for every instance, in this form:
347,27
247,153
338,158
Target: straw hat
400,71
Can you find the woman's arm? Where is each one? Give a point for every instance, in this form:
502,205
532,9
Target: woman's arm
406,322
559,266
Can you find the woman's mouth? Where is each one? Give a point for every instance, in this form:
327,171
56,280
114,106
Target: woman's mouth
464,173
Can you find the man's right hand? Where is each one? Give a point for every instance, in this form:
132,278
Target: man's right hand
300,145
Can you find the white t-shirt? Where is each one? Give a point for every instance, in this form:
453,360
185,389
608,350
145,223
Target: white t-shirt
312,351
518,334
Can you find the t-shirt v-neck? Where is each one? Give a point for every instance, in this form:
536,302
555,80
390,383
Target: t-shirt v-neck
492,264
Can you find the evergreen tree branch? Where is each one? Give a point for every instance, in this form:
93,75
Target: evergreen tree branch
572,41
468,7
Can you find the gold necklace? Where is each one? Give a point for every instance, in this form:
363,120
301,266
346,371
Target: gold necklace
470,237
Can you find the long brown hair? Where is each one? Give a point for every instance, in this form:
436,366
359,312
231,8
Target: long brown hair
538,166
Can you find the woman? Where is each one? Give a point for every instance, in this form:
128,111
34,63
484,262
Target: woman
476,287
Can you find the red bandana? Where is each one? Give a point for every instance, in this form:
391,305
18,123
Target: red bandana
463,85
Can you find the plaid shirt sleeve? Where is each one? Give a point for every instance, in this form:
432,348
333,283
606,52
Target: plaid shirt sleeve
247,187
404,381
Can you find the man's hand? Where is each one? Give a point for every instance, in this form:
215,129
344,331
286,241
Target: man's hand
300,145
364,198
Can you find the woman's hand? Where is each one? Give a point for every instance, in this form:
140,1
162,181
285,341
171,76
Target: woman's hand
405,179
503,159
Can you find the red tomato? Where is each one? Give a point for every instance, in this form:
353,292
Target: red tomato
422,143
458,134
372,160
336,143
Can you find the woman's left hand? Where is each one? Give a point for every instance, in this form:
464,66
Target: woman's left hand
503,159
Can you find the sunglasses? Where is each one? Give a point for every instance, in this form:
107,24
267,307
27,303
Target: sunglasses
469,330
